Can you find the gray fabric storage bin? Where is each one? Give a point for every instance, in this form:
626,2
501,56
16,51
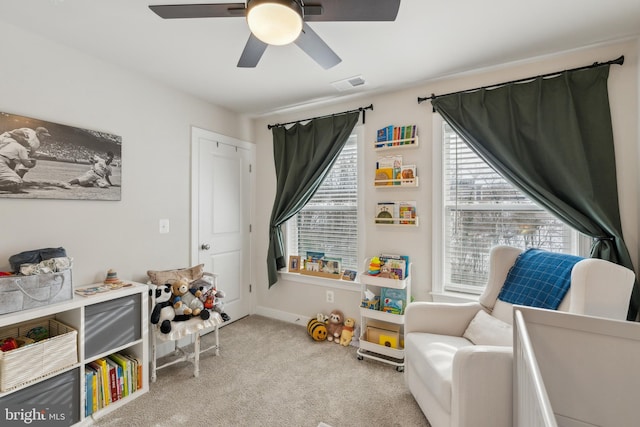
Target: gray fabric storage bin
111,324
25,292
59,397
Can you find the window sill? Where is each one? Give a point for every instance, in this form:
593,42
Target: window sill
448,296
320,281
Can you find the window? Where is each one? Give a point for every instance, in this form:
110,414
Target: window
480,209
329,222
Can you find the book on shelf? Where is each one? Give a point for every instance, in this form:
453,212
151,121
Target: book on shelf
392,163
393,300
396,264
114,380
98,394
407,212
386,212
126,374
90,393
408,175
384,176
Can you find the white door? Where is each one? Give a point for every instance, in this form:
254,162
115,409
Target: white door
221,201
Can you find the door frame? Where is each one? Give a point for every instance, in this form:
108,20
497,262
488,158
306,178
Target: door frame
196,134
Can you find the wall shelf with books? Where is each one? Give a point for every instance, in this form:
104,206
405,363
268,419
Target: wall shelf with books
402,213
392,137
393,172
396,183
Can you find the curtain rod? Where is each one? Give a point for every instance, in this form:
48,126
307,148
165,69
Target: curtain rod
618,61
370,107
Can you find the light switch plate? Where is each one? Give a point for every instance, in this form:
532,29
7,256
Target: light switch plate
164,226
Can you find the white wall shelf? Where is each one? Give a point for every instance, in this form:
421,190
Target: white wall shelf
396,183
396,143
398,222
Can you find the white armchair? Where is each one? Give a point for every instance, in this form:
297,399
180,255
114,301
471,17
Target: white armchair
458,383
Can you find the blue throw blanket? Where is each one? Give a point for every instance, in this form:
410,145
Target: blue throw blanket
539,279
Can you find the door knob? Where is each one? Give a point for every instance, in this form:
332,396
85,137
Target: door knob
205,246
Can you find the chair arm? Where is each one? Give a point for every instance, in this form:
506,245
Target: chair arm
439,318
600,288
482,386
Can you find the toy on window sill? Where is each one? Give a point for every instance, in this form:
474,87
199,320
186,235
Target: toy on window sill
8,344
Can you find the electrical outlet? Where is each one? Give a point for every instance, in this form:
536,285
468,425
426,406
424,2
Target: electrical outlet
329,296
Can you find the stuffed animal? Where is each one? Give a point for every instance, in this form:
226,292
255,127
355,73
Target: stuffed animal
211,297
219,305
347,331
321,317
163,312
385,272
179,289
317,330
334,327
192,299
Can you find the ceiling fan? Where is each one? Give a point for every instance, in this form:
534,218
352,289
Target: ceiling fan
280,22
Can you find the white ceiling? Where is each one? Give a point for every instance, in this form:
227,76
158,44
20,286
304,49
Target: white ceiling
429,39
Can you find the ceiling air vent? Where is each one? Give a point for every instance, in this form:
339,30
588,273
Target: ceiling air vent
350,83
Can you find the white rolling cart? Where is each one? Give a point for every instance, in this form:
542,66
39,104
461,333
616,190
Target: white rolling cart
374,345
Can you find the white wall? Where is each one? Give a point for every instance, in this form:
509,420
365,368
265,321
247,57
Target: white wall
47,81
292,300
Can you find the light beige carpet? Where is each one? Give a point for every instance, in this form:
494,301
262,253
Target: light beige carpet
271,373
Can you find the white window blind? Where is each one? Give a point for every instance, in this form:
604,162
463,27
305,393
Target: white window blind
481,210
329,222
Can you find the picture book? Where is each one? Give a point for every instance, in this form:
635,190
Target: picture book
384,176
398,264
408,175
391,162
393,300
407,212
386,212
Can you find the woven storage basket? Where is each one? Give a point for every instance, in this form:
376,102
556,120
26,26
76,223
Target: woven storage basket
31,362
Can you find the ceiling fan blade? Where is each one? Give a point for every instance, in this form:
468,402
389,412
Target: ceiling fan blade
351,10
252,52
217,10
316,48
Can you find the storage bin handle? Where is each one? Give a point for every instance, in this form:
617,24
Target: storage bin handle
44,299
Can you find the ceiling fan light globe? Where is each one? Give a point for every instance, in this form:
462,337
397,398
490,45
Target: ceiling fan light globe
275,22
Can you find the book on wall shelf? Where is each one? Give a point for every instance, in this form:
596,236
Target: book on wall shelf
408,175
386,212
407,212
388,170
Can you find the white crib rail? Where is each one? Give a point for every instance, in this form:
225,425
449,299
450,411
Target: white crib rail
532,407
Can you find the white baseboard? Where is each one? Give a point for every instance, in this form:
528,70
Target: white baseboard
282,315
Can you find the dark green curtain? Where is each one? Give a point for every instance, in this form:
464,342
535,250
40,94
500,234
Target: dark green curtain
303,157
553,139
